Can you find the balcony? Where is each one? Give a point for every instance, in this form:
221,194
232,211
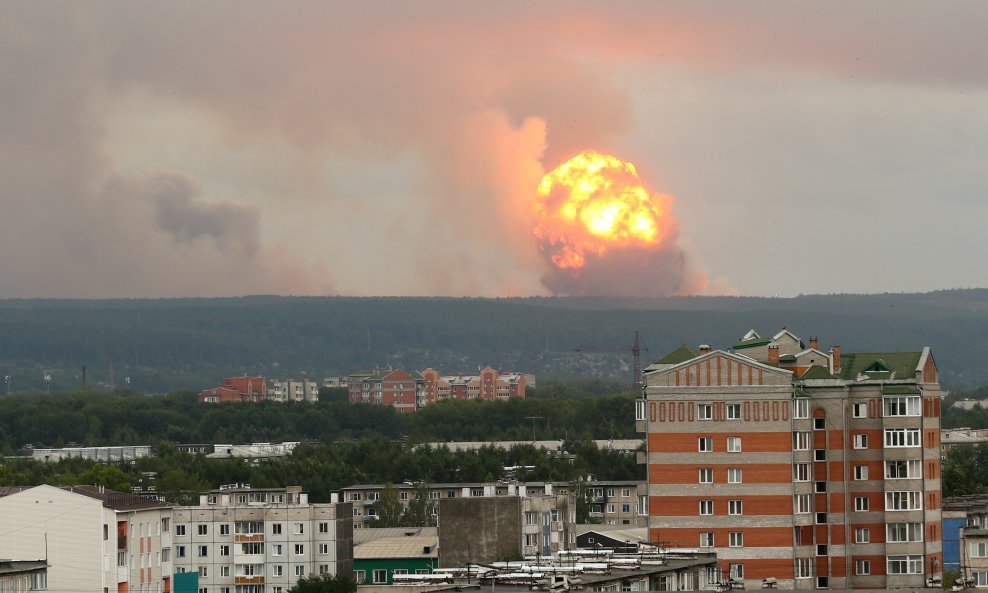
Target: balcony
123,574
248,537
121,542
595,514
640,426
239,580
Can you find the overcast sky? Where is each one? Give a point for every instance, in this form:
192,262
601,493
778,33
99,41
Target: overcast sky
394,148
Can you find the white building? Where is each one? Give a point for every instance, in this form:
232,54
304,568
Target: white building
292,390
253,540
94,539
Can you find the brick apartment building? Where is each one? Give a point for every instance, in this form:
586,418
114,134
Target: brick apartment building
408,391
255,389
820,470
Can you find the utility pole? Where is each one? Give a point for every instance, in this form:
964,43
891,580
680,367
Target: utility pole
533,419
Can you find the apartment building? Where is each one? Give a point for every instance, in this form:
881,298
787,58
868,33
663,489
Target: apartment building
260,540
236,389
819,470
285,390
617,502
403,390
408,391
94,539
23,575
487,383
965,539
485,529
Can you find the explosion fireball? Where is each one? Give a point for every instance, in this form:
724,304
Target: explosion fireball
603,233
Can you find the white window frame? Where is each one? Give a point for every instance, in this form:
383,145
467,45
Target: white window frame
801,440
736,539
862,535
901,405
859,410
735,475
704,411
733,444
706,539
706,507
800,408
733,411
911,564
861,441
862,567
903,500
861,504
860,472
801,504
705,475
735,507
896,438
705,444
908,532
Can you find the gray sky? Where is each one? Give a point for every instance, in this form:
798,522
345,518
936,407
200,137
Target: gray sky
393,148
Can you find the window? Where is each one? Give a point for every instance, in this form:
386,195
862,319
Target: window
531,539
323,549
434,495
476,492
706,507
859,410
902,437
903,469
224,550
820,486
380,576
980,578
800,408
801,504
706,539
300,549
860,503
901,406
276,528
819,424
904,532
800,472
705,444
862,567
734,507
733,444
610,508
224,571
531,518
166,554
403,495
822,582
299,570
224,529
704,412
821,518
737,571
736,539
203,571
625,492
165,524
804,569
324,527
277,570
860,441
821,549
202,551
202,529
251,548
734,475
801,441
180,551
706,475
862,535
354,496
625,508
979,550
905,564
903,501
180,530
299,528
860,472
819,455
733,411
276,549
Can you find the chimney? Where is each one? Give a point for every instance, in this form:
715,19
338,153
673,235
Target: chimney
835,358
814,343
773,354
704,348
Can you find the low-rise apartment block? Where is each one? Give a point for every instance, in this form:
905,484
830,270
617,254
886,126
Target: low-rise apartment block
261,540
408,391
256,389
94,539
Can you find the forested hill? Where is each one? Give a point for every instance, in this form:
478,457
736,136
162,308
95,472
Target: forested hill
192,343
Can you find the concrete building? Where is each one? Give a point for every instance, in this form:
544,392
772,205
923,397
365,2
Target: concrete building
236,389
106,454
485,529
23,575
284,390
965,539
260,540
252,450
95,539
954,437
819,470
617,502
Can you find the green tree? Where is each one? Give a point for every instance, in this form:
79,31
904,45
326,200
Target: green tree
419,511
388,507
325,583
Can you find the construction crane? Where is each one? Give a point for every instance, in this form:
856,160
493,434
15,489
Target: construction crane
636,350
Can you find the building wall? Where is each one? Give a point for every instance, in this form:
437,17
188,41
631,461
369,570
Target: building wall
390,565
480,530
800,487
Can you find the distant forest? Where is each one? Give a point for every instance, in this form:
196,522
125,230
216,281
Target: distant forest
164,345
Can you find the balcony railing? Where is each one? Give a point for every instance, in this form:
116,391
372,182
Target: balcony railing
121,542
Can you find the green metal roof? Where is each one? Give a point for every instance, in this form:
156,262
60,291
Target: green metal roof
817,372
751,343
681,354
902,363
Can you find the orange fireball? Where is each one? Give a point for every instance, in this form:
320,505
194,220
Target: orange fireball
592,203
